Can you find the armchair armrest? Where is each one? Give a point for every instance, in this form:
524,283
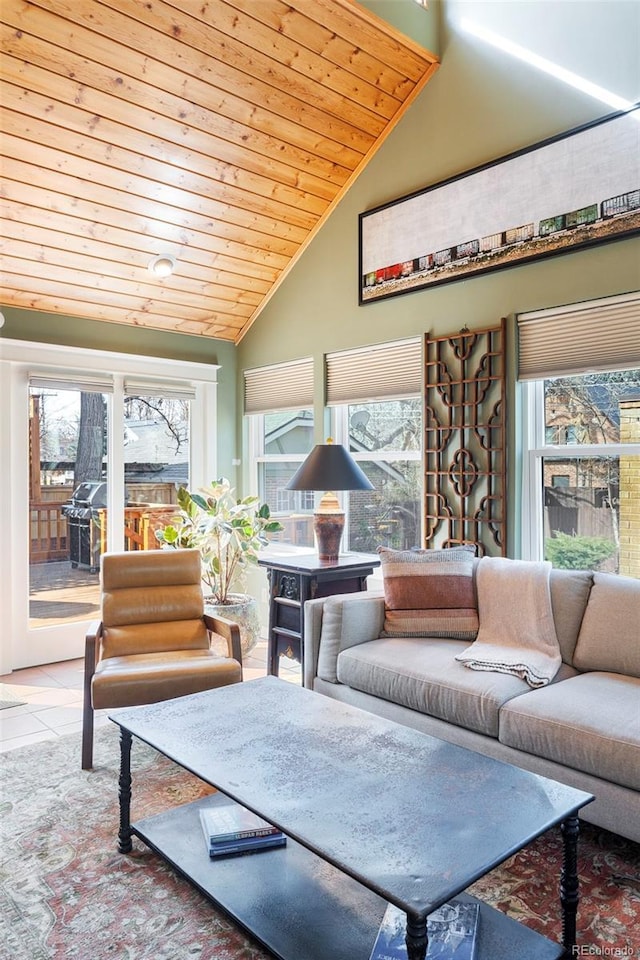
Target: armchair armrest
92,642
229,631
331,624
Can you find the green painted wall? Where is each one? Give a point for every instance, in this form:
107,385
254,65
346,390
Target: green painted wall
481,105
420,23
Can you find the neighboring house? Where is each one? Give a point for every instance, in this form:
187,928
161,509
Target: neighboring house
375,517
152,455
591,496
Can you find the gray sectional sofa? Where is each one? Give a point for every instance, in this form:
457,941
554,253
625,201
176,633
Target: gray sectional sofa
582,729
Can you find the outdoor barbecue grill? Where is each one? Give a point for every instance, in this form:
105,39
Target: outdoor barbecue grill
83,527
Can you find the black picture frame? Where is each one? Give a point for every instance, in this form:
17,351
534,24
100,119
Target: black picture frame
559,195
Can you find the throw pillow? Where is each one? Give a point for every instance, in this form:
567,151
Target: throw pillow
609,639
429,593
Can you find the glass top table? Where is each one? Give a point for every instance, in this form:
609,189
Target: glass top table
375,813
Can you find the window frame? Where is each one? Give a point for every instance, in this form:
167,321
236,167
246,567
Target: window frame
535,450
340,413
255,444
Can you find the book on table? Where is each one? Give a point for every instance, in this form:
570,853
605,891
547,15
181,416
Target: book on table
249,845
230,828
451,930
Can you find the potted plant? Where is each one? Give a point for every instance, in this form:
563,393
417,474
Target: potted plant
229,534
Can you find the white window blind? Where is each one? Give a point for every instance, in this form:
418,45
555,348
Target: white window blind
59,381
176,390
600,335
282,386
385,371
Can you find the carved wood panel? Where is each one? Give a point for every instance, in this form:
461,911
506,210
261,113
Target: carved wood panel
465,457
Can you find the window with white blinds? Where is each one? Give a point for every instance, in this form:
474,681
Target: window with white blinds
176,390
75,381
381,372
599,335
580,373
283,386
92,383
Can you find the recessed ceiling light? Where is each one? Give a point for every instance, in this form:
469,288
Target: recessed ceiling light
163,265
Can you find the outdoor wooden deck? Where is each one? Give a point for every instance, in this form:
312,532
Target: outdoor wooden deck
59,593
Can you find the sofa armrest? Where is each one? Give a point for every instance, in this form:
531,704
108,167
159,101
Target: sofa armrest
332,624
313,610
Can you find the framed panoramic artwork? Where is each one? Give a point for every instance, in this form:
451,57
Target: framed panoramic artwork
572,191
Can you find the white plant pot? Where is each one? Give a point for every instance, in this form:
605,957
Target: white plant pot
242,610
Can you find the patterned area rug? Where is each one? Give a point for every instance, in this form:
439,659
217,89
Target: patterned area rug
67,893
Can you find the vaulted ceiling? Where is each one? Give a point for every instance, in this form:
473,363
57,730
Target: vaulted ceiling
219,132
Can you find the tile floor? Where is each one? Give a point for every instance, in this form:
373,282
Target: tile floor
51,698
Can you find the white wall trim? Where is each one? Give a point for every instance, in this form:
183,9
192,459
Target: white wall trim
63,358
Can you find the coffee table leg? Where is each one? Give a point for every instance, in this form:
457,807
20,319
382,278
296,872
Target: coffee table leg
124,793
569,883
416,938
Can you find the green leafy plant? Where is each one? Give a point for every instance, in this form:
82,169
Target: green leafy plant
228,533
577,553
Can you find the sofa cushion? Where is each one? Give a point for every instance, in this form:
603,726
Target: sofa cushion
429,593
590,722
347,619
569,596
609,637
423,675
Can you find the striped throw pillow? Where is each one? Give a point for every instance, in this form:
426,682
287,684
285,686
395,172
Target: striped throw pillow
429,593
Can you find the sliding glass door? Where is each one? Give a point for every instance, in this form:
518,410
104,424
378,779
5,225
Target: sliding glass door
66,503
69,482
93,462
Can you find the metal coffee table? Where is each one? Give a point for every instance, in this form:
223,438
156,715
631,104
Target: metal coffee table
375,812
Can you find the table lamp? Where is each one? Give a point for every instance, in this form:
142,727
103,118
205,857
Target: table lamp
329,467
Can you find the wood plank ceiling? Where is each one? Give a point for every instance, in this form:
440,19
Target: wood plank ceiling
220,132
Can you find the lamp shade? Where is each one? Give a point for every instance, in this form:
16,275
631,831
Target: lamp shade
329,466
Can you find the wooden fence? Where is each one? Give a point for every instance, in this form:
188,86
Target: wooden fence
578,511
49,535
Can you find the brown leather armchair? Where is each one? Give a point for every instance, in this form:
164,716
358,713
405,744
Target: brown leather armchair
153,642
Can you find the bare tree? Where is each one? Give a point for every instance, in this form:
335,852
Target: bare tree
173,413
91,436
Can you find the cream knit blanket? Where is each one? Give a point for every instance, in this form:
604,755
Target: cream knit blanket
517,634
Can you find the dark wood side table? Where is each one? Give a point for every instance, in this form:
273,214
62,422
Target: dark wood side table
295,579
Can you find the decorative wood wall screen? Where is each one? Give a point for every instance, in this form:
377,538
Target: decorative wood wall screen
465,468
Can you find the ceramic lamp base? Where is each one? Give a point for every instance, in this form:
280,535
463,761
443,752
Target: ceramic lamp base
328,529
